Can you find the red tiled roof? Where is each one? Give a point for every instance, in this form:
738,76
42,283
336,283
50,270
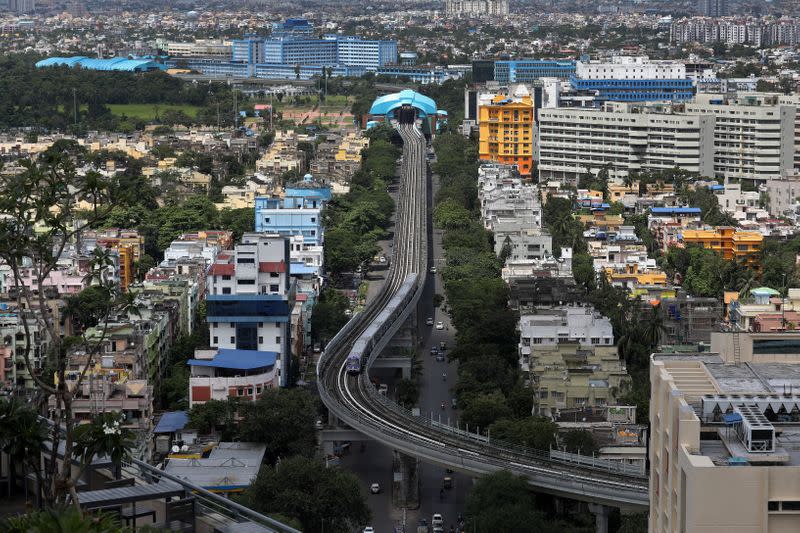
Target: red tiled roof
300,297
272,266
222,269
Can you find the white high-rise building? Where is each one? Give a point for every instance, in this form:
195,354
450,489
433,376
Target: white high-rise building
248,294
497,8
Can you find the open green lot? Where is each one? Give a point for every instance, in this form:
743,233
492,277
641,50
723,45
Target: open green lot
150,111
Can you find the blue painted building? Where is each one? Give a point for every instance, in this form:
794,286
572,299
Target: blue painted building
385,108
529,70
292,26
299,212
635,90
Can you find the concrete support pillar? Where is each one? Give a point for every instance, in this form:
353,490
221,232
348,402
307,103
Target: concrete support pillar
405,481
600,513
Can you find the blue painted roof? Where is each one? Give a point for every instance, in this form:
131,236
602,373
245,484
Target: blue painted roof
388,103
302,268
237,359
675,210
117,64
172,421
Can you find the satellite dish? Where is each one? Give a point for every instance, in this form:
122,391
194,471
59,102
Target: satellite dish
175,449
185,448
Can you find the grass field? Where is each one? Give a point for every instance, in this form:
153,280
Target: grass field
149,111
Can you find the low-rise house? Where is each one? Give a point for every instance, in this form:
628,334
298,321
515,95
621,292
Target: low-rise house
218,374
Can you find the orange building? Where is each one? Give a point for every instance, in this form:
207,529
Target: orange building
730,243
506,130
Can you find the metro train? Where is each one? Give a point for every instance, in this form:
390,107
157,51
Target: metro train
362,348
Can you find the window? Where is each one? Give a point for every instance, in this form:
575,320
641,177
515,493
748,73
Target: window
274,275
233,340
225,278
226,290
273,287
537,340
595,340
313,219
246,281
246,260
260,340
278,339
216,340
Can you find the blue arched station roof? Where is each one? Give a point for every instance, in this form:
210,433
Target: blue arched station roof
386,104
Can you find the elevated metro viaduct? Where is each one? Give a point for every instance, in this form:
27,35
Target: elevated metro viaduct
405,107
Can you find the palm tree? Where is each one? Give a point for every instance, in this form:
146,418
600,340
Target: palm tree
653,327
22,437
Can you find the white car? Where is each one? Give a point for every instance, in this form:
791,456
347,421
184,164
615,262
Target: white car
440,325
369,529
433,270
375,488
437,520
429,321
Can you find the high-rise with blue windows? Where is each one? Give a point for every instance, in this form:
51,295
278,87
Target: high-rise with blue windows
529,70
249,298
631,79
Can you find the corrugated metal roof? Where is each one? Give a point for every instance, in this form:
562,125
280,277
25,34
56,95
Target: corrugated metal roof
116,64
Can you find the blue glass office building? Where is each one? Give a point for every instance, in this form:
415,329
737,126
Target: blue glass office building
635,90
528,70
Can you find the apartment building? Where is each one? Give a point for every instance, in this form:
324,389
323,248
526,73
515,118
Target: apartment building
782,197
723,433
200,48
573,141
506,129
248,298
729,242
754,135
299,212
492,8
571,376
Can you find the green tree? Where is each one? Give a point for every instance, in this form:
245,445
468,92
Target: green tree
579,441
22,437
60,520
533,432
239,221
328,315
265,421
505,502
481,410
407,393
215,415
88,307
104,436
322,499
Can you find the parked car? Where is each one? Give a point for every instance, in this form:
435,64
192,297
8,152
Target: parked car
440,357
437,520
442,346
375,488
369,529
440,325
429,321
433,270
434,350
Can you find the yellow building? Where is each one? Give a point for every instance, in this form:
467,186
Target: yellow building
571,376
632,278
506,130
730,243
